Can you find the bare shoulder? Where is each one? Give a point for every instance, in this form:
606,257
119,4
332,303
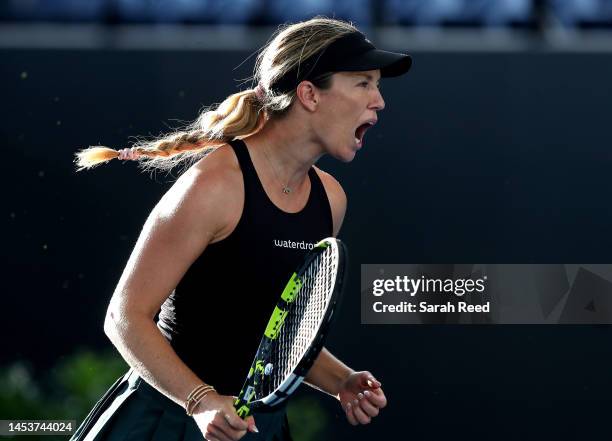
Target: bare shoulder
211,190
336,196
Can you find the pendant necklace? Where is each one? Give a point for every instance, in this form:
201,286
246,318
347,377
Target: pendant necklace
286,188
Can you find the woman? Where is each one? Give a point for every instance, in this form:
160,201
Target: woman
251,190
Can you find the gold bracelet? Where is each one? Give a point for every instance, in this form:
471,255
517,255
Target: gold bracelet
195,390
197,400
196,396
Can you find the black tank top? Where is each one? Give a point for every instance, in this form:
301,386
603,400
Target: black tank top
215,317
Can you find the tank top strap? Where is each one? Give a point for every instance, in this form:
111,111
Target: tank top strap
320,200
316,184
253,190
244,159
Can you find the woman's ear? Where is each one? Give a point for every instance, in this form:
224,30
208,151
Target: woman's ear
308,95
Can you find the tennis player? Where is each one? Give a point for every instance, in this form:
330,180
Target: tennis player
218,248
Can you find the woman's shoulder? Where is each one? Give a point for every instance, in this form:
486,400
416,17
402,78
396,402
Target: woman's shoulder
218,173
220,164
211,189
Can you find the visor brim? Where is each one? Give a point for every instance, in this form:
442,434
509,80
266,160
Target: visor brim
391,64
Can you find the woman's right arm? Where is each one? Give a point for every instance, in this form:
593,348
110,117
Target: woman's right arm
194,212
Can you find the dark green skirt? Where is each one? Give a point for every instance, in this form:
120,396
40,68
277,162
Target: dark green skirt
133,410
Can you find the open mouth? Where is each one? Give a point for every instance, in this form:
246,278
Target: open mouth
360,132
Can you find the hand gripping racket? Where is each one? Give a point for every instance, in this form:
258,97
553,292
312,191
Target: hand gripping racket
297,328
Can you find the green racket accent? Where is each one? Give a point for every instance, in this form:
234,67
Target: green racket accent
275,323
243,411
259,371
323,244
294,285
259,368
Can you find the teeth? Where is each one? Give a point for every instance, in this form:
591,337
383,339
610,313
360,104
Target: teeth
357,140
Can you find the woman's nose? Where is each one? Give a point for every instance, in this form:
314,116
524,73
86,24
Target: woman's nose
378,102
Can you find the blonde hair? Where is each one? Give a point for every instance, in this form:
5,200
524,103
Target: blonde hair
241,114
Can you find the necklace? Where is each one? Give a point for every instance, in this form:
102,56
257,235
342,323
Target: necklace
286,188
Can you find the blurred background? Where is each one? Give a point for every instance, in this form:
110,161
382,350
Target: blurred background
512,14
495,148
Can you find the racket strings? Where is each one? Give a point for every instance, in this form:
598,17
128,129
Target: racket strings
303,320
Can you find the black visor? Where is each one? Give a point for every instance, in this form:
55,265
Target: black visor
350,53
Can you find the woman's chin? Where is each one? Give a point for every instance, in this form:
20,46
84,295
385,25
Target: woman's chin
346,155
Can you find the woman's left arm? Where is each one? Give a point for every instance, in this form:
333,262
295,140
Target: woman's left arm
359,393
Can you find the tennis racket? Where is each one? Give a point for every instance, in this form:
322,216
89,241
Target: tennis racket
297,328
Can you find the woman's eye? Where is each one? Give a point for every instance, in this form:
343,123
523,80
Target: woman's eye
366,85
